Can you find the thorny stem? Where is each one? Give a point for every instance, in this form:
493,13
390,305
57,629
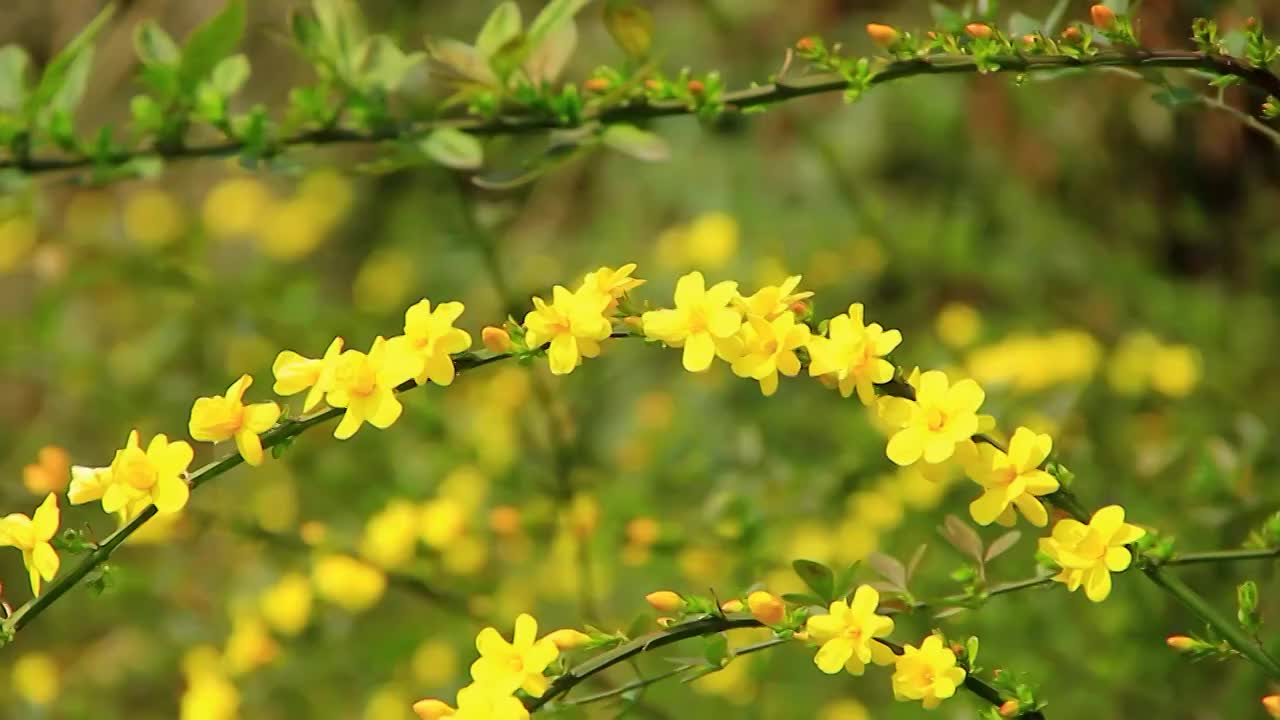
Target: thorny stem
1259,79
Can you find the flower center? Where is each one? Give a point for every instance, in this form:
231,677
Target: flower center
697,321
137,470
935,419
516,663
1006,476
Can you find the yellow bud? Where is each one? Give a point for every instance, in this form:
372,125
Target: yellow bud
1272,705
980,31
1009,708
766,607
1102,16
596,84
801,635
882,35
569,639
666,622
432,709
1181,643
732,606
505,520
495,339
1072,34
665,601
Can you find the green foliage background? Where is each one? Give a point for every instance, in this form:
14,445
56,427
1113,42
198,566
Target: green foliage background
1067,203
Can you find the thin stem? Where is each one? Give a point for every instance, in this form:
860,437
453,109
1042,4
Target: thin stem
767,94
1222,556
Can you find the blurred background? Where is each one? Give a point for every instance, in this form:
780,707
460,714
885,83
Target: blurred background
1107,268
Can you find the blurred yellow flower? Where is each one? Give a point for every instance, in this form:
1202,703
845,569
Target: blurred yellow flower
442,521
209,696
223,417
155,475
1088,554
31,535
927,673
430,338
854,353
365,385
286,605
293,229
1013,480
768,347
1034,362
383,281
50,473
234,207
958,324
517,664
295,373
844,709
847,634
941,416
702,319
329,192
36,678
573,324
17,237
391,535
386,703
435,663
249,645
1175,370
153,218
711,240
465,556
475,702
347,582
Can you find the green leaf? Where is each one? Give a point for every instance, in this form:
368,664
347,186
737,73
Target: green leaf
1174,97
552,17
71,91
230,74
804,599
387,64
642,145
817,577
502,26
631,26
889,568
454,149
716,650
56,72
464,60
548,59
13,77
154,46
844,581
208,44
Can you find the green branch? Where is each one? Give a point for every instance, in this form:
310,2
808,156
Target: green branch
1222,556
783,90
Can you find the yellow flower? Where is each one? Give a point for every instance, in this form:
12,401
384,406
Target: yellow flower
209,696
154,475
768,348
49,473
771,301
854,353
366,386
35,678
848,634
475,702
286,606
1013,479
391,535
432,338
87,484
518,664
222,417
1088,554
295,373
31,535
249,645
347,582
614,283
574,324
941,416
702,317
958,324
927,673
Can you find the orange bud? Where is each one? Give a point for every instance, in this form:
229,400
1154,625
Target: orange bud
931,35
504,520
432,709
496,339
666,622
1028,40
766,607
978,30
1009,708
1272,705
806,44
799,307
1251,24
569,639
882,35
643,531
1102,16
696,87
596,84
732,606
1072,34
652,84
1181,643
665,601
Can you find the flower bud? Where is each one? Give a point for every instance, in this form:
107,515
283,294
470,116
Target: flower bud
1009,708
1072,34
696,87
665,601
666,622
496,339
1182,643
806,44
882,35
766,607
1102,16
569,639
732,606
432,709
652,84
801,635
980,31
504,520
1029,40
596,84
1272,705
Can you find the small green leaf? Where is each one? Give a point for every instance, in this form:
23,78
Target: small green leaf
502,26
716,650
639,144
552,17
209,43
13,77
465,61
844,580
889,568
817,577
154,46
454,149
1174,97
230,75
387,64
56,72
804,599
68,96
548,59
631,26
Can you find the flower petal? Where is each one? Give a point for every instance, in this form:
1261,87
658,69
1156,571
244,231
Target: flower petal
833,654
